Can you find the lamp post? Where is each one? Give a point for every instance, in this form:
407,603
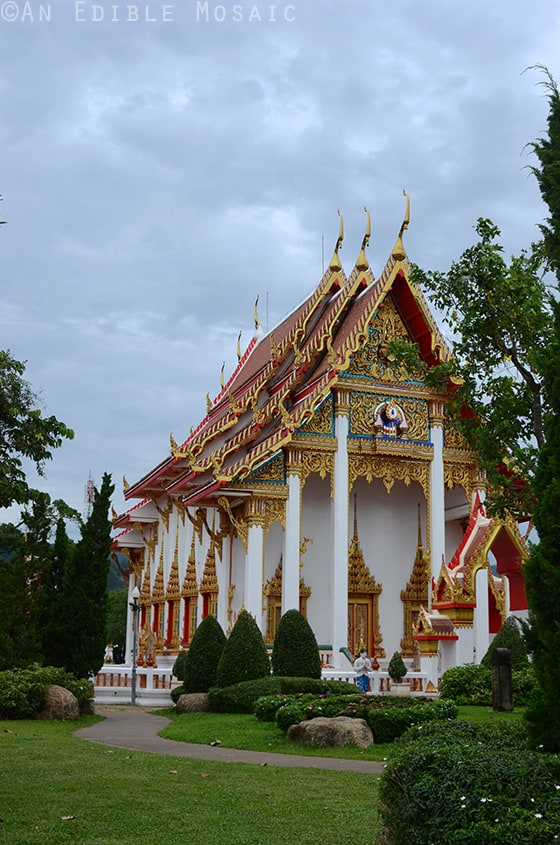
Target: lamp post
135,608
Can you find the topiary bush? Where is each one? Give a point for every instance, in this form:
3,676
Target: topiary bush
288,715
244,656
459,782
295,652
509,636
203,656
396,668
179,665
22,691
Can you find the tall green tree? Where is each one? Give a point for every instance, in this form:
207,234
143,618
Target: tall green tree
83,617
244,656
542,571
24,432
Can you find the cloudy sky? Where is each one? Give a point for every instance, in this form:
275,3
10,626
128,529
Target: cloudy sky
164,164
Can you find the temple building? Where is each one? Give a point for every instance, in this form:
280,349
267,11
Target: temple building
326,477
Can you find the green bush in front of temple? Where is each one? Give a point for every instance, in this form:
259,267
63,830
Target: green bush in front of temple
509,636
202,659
471,684
459,782
244,697
22,691
295,652
244,656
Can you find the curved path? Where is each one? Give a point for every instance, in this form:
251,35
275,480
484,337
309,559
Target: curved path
131,727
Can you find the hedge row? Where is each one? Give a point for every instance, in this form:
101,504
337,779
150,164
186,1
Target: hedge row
241,698
460,782
387,717
22,691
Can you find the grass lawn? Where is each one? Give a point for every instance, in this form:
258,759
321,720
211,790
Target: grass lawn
56,789
244,731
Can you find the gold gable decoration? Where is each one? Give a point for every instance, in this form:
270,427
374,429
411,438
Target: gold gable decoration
415,595
363,412
272,470
372,360
322,421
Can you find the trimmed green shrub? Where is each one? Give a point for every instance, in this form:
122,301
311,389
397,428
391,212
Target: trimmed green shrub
244,656
468,684
242,698
295,652
289,714
22,691
388,717
179,665
396,668
511,637
459,782
203,656
472,684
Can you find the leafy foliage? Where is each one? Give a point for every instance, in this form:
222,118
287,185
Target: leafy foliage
179,665
203,656
22,691
295,652
24,432
473,783
472,684
387,717
242,697
244,656
509,636
115,625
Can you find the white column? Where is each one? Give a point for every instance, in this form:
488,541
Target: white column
481,616
290,557
253,572
437,502
339,575
222,572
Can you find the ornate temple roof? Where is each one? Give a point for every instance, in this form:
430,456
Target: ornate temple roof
285,375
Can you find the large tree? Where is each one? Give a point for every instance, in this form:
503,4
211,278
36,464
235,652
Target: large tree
542,570
82,621
24,432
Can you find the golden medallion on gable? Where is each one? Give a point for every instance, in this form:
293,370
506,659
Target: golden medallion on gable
368,412
372,360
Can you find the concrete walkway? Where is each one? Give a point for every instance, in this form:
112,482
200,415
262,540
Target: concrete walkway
131,727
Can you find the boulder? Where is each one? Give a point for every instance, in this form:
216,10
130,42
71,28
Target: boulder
60,703
193,702
324,732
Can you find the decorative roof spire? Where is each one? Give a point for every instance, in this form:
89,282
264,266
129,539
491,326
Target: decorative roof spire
258,328
362,263
399,252
222,380
239,347
335,264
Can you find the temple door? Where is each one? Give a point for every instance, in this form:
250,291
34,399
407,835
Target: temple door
360,623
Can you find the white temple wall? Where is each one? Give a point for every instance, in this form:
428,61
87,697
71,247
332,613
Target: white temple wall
465,644
481,622
388,534
273,550
316,524
237,581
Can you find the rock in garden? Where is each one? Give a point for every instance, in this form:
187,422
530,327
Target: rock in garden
193,702
324,732
60,703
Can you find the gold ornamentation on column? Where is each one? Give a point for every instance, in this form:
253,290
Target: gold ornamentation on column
321,462
240,525
460,475
173,590
197,521
437,412
164,512
190,587
388,470
275,512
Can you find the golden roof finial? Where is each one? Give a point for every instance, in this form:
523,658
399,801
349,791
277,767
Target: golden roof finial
208,403
222,380
335,264
125,483
239,347
362,263
399,252
258,328
173,444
